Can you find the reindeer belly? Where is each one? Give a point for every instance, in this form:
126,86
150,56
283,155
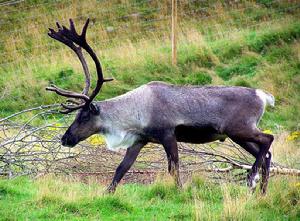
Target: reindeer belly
197,135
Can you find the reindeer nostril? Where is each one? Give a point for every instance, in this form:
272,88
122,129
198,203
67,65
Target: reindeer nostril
68,141
63,141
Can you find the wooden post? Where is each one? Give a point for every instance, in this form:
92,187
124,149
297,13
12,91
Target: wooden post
174,32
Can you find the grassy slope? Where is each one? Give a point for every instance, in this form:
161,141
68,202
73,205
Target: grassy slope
255,44
54,198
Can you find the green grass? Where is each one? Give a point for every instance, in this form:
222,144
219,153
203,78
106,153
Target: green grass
57,198
246,65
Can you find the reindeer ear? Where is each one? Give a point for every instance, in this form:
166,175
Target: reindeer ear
94,108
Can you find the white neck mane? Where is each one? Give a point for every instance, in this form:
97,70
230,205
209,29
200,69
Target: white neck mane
119,139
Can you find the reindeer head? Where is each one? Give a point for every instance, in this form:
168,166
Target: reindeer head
87,120
86,123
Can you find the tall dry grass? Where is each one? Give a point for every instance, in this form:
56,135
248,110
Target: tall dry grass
285,151
67,189
27,43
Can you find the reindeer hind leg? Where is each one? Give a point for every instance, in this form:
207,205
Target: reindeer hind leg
170,145
265,172
253,149
248,139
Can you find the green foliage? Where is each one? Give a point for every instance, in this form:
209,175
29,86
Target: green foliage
265,2
246,65
198,78
227,50
278,54
258,42
194,55
242,81
162,191
285,202
110,203
205,191
18,188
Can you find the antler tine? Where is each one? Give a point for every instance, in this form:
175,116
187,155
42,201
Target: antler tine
60,37
69,109
69,37
83,33
100,79
73,101
66,93
72,35
72,27
86,72
58,25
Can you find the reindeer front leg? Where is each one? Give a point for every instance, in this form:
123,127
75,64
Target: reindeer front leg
129,158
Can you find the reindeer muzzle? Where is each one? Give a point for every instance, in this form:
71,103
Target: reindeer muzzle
69,141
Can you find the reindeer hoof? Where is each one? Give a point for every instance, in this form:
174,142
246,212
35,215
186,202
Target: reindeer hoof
263,187
111,189
252,181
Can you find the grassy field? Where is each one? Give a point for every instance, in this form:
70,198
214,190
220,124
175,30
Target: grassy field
253,44
57,198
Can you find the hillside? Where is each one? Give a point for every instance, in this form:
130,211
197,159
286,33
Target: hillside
246,43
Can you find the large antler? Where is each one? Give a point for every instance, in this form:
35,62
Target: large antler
70,37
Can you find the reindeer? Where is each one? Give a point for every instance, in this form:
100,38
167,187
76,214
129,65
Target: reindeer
165,114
